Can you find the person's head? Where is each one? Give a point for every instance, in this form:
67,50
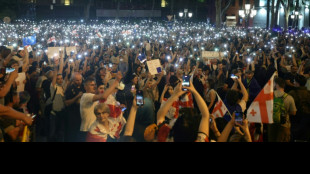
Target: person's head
232,97
22,53
102,112
77,79
134,79
114,67
90,85
279,83
294,69
12,99
59,79
300,81
100,87
49,74
186,126
24,98
210,84
249,74
13,64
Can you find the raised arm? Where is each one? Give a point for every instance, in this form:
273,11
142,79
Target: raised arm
203,108
131,119
165,108
13,114
7,86
243,90
109,91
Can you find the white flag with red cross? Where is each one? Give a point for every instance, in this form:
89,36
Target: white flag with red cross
50,40
261,109
220,108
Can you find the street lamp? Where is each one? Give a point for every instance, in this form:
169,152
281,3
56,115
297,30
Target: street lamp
185,14
295,16
247,13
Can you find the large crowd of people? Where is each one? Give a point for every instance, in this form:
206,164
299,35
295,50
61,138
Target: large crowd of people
94,94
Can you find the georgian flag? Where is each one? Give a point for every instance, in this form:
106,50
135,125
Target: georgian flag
36,30
99,34
261,109
220,108
50,40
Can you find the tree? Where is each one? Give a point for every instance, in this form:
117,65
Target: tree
87,6
274,13
287,4
221,11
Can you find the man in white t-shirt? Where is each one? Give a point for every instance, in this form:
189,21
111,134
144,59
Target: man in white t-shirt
90,99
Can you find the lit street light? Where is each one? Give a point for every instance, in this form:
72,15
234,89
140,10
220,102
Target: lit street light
247,13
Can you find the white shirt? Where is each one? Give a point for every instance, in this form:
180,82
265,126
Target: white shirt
87,107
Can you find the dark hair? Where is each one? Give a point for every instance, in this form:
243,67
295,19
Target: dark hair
280,82
186,126
232,97
301,80
211,83
89,79
24,97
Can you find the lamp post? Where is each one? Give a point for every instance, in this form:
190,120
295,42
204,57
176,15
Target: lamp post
295,16
247,13
186,14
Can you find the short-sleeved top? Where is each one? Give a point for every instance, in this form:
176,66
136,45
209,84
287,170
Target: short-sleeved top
87,107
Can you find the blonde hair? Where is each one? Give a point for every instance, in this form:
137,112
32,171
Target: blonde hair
103,107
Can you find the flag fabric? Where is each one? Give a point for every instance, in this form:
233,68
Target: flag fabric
36,30
50,40
99,34
187,101
261,109
30,40
220,108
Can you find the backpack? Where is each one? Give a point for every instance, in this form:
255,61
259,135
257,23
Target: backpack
279,111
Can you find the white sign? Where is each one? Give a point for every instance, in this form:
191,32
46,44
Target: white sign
54,51
20,79
212,54
154,66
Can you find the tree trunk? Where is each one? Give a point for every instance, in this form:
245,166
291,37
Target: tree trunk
172,6
87,9
272,14
218,7
276,13
223,11
268,14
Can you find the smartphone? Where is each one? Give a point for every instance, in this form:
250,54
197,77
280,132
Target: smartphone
44,63
239,117
185,82
123,109
139,98
33,116
233,76
9,70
